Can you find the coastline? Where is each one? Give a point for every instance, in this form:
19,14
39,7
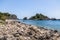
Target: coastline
49,24
19,31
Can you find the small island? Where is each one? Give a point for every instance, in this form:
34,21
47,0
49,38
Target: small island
39,16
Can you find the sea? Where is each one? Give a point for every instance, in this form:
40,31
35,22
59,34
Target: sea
49,24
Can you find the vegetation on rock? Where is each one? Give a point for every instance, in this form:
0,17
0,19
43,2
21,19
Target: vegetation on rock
39,17
4,16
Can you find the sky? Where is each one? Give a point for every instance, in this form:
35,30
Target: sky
28,8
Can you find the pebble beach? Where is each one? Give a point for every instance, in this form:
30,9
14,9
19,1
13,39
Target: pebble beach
21,31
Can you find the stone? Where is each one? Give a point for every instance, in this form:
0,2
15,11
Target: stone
20,31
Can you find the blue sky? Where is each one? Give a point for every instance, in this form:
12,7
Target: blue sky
28,8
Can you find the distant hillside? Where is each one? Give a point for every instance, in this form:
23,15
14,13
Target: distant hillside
4,16
39,17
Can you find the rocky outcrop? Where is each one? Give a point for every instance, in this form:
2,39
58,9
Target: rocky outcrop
21,31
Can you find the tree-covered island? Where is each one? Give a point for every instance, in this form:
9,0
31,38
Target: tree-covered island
39,16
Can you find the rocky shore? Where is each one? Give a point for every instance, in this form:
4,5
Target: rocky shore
21,31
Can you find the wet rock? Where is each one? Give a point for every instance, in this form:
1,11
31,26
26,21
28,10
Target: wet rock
55,31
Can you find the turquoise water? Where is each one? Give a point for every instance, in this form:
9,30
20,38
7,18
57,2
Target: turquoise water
50,24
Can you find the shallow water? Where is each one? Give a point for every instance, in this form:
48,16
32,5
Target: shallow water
50,24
